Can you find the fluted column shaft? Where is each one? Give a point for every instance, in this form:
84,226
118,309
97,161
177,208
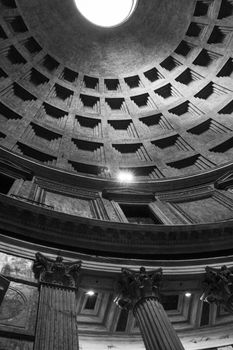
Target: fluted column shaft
156,329
139,291
56,327
56,321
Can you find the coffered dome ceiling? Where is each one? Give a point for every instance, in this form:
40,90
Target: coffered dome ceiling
114,52
153,95
79,102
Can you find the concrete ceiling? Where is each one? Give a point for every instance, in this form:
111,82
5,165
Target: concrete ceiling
151,34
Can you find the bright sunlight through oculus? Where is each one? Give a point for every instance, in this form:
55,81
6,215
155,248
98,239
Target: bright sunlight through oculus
106,13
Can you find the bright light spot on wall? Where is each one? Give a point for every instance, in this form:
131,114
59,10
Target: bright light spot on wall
188,294
125,176
90,293
106,13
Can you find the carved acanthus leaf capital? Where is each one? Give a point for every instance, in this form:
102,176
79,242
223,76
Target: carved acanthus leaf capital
56,271
219,287
133,286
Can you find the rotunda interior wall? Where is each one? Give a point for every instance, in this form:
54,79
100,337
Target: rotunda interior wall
78,103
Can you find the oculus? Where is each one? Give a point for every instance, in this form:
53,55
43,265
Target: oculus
106,13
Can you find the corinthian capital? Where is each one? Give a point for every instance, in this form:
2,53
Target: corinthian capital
133,286
219,287
56,272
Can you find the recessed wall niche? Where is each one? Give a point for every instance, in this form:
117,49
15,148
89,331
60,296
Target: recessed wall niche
3,74
191,164
12,55
153,75
206,58
170,63
133,82
116,105
186,109
167,92
143,101
35,154
149,172
53,116
203,7
36,79
188,77
224,147
220,35
213,93
123,128
175,142
112,84
88,126
8,117
90,302
61,94
90,104
139,214
31,45
227,109
42,137
10,4
227,69
69,75
184,48
3,35
88,169
6,183
49,63
16,24
88,150
195,29
91,83
127,152
226,9
208,130
156,122
17,96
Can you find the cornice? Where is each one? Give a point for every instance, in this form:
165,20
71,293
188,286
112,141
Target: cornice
100,184
59,230
99,264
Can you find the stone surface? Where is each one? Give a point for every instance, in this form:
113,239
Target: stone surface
115,52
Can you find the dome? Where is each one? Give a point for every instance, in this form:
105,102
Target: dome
80,103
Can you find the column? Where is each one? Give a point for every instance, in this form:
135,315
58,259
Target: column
56,327
139,291
219,287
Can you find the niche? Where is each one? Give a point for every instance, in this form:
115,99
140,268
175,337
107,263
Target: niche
139,214
6,183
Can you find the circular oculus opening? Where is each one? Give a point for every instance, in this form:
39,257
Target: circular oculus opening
106,13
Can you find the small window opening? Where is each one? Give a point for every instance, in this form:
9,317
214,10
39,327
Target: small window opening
91,302
139,214
5,183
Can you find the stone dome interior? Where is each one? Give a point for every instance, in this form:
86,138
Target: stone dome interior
78,103
153,96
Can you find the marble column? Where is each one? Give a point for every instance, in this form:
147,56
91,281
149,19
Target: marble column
219,287
139,291
56,327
